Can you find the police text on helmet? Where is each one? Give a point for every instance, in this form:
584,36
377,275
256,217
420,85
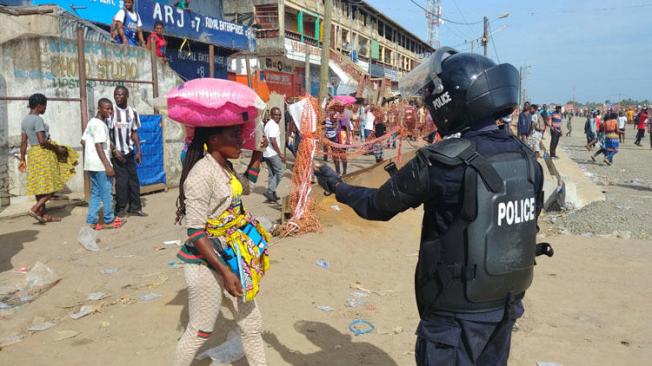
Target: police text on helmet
516,212
441,101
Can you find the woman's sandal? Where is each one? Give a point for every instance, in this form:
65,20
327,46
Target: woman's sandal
116,224
38,218
50,218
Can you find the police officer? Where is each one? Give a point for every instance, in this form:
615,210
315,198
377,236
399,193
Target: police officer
481,195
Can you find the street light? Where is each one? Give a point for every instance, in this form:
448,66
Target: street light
485,33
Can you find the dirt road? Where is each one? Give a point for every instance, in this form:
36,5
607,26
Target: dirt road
587,306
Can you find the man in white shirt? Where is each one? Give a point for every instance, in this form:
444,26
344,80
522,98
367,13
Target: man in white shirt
126,154
622,121
127,26
272,155
369,123
97,144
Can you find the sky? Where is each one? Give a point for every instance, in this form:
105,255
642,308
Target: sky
597,50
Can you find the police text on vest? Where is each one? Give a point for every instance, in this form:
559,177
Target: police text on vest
516,212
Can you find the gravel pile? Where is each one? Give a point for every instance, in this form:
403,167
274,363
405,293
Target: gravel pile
627,212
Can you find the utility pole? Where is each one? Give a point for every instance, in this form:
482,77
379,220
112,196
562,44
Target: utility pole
325,52
520,87
485,35
522,83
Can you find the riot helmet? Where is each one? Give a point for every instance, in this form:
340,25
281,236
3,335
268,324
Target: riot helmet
462,89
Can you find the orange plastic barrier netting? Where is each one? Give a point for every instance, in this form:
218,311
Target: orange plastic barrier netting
304,218
302,207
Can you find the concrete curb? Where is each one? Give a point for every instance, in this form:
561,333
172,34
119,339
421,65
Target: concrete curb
566,185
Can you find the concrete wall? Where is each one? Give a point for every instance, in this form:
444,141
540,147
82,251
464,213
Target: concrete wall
49,65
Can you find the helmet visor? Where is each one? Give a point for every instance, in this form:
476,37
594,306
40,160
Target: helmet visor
414,83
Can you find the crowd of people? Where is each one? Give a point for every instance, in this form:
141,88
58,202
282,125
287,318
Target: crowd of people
604,131
111,151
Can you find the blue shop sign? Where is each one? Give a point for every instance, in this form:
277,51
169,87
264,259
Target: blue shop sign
376,70
194,64
98,11
188,24
391,74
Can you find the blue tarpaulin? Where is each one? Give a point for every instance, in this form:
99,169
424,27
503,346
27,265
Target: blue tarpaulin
152,169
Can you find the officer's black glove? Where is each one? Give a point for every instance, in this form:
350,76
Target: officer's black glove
327,178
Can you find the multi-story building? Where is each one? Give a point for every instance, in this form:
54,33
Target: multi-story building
366,45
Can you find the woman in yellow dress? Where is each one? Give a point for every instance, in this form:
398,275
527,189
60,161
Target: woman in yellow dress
49,165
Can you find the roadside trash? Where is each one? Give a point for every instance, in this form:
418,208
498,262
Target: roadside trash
88,239
174,264
149,297
358,286
336,208
172,242
65,334
94,296
395,331
109,271
8,340
355,299
23,269
39,279
265,223
325,308
323,263
37,327
158,249
83,311
227,352
360,327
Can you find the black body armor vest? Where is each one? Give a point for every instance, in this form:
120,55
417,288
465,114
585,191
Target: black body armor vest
485,259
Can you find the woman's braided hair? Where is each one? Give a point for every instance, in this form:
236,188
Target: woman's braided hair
193,155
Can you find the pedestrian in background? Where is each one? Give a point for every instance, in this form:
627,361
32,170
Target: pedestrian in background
555,131
569,125
97,147
159,40
123,130
524,123
538,126
589,124
640,126
49,165
622,121
272,155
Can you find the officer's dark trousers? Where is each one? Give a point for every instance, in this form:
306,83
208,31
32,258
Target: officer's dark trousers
127,185
554,141
446,341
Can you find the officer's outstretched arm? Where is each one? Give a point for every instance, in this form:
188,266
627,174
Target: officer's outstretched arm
406,188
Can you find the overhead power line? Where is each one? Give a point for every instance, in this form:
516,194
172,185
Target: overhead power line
440,17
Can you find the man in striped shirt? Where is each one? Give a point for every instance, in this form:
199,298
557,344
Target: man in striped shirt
126,154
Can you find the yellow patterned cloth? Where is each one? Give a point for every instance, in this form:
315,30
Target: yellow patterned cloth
254,259
45,173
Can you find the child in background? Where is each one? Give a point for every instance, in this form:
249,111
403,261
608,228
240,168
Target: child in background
96,163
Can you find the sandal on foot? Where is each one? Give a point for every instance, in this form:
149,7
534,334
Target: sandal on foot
38,218
50,218
116,224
